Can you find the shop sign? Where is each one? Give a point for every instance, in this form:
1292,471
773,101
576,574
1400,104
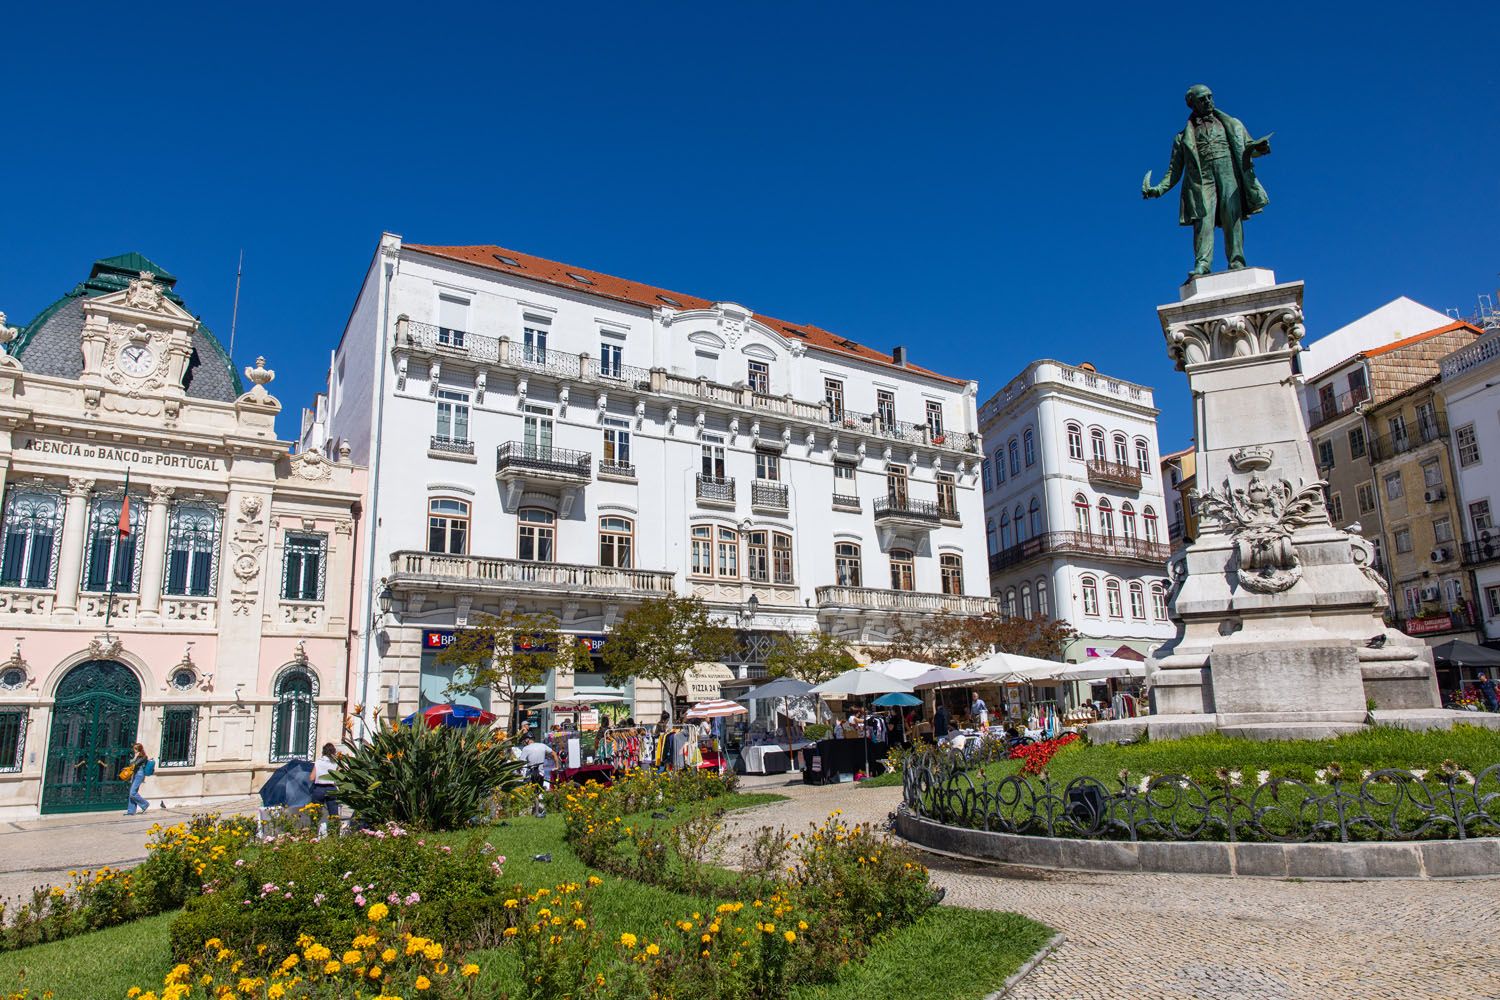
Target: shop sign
116,456
592,644
1422,626
437,638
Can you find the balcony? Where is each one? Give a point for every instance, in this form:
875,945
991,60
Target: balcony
902,601
422,571
1387,447
517,460
445,341
1084,544
441,446
615,470
715,491
885,426
1436,619
1113,474
845,503
1478,553
897,509
769,496
1330,407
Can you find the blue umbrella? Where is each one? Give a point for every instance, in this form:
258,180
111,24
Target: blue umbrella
290,786
897,699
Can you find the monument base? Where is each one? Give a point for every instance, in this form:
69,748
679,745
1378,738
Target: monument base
1172,727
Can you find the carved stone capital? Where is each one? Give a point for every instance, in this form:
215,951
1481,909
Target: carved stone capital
79,486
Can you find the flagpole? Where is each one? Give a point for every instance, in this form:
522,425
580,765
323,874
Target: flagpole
122,529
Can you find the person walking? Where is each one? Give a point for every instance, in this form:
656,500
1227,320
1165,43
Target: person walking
539,760
324,788
140,765
940,724
1487,690
979,712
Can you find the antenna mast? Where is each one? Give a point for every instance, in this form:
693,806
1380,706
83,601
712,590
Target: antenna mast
234,317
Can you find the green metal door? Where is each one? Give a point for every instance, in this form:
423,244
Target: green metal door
93,730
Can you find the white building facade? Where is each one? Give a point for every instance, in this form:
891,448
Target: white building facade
1075,520
547,438
1470,389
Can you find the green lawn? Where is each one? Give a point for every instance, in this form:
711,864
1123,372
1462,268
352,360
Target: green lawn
937,951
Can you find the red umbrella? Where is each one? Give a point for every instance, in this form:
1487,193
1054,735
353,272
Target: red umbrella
456,716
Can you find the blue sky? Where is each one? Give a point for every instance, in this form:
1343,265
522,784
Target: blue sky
960,180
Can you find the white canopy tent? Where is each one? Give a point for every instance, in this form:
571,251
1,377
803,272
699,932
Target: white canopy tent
1102,668
900,669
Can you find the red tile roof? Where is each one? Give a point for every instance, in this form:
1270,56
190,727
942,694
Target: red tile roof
623,290
1416,338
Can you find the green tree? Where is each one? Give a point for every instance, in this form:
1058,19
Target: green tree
507,652
813,657
947,639
660,640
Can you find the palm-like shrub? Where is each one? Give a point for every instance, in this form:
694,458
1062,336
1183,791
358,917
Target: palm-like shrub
431,779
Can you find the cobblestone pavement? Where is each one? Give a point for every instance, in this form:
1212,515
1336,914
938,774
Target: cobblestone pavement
43,851
1140,937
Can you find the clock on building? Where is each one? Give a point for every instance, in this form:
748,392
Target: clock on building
137,360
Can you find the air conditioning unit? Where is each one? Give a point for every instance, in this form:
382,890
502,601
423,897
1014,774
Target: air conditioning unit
1441,554
1434,495
1431,593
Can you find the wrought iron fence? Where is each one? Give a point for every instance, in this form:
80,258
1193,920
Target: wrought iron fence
1385,805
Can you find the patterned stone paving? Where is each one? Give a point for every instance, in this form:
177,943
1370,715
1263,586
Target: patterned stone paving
1140,937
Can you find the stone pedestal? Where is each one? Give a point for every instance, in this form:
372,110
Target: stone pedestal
1280,629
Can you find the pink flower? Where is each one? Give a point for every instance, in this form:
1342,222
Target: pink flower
318,899
359,901
394,899
412,899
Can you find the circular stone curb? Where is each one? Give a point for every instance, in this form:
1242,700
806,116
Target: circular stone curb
1411,859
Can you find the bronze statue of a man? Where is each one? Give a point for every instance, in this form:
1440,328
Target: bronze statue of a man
1212,157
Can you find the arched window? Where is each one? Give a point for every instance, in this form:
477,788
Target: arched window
985,472
293,727
1096,441
1149,517
33,519
1025,600
991,538
1005,529
1010,603
112,560
616,542
1090,596
903,570
1122,451
1137,600
1106,517
1127,521
537,534
1112,595
952,567
1028,445
1075,442
447,526
1081,512
1041,598
1020,525
1158,602
999,466
1143,456
846,565
1036,517
1015,457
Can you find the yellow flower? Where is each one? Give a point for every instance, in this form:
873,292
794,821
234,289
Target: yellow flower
470,971
374,972
802,925
422,983
790,936
350,957
628,939
579,923
389,955
652,949
276,991
377,912
511,904
433,951
331,966
441,968
509,932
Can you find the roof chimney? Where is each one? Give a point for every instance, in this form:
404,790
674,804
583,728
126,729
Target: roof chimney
898,356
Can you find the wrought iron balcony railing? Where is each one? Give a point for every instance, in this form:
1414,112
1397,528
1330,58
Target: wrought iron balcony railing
445,340
1478,553
1114,473
1388,446
608,468
846,503
770,495
715,489
1081,543
520,455
1329,407
901,507
453,446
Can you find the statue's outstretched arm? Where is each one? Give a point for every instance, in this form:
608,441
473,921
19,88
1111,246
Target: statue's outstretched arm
1174,174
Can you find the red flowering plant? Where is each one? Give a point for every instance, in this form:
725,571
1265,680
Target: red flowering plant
1035,756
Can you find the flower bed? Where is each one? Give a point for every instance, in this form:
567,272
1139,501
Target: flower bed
1035,756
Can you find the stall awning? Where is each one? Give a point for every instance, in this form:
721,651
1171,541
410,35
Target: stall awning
1101,668
705,681
947,677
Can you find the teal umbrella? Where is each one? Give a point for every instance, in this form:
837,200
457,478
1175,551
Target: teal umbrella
897,699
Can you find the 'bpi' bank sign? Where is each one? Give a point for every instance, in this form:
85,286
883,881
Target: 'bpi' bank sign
442,638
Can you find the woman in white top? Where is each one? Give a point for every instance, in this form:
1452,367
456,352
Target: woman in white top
323,785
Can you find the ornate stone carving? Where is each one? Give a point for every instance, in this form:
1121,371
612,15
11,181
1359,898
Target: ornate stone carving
401,365
1237,336
144,293
1252,459
146,353
260,376
248,544
1363,553
302,614
105,646
1261,517
162,494
310,465
78,486
481,382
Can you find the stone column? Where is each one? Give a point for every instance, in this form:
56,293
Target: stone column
153,569
70,553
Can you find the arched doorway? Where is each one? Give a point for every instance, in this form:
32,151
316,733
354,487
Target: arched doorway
93,729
